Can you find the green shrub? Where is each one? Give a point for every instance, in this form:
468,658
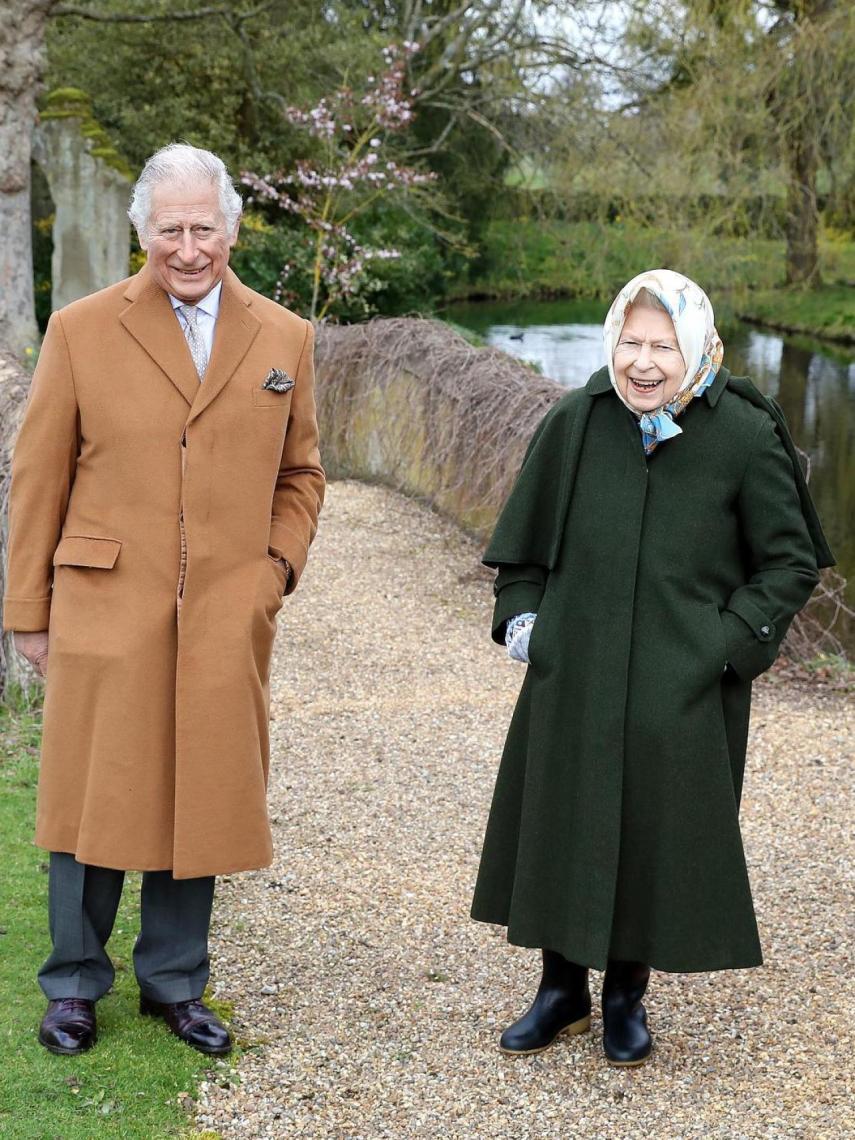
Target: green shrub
593,259
409,283
261,251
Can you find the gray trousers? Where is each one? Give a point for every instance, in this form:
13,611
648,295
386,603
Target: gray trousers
170,954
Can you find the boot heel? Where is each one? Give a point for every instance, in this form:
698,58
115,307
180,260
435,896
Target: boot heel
580,1026
627,1064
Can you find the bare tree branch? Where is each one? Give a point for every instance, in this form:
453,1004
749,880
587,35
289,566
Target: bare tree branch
259,92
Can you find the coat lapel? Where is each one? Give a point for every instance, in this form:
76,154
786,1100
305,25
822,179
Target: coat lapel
150,321
237,328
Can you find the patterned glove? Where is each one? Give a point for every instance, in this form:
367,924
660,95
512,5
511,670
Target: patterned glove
517,634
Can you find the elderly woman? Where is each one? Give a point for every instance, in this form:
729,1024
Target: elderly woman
655,548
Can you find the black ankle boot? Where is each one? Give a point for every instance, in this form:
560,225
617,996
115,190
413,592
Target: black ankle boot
626,1038
562,1005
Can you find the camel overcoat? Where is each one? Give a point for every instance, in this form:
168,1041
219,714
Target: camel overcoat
614,826
155,746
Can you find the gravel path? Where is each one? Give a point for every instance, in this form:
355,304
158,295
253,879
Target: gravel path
369,1001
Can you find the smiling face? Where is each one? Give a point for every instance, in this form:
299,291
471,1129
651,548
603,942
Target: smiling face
648,365
187,241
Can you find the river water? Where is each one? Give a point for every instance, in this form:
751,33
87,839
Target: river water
812,380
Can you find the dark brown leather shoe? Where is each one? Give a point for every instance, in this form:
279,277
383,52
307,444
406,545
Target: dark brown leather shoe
68,1026
193,1022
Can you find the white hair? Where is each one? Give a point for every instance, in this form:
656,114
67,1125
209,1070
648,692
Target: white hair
644,299
183,164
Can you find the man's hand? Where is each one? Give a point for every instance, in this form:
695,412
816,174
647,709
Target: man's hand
34,646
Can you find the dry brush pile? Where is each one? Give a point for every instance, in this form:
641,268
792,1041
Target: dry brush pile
411,404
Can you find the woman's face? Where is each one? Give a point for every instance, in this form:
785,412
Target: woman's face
649,367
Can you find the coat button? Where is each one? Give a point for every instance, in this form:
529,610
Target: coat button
764,629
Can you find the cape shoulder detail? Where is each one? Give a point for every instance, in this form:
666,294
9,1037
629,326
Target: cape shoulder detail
531,524
745,388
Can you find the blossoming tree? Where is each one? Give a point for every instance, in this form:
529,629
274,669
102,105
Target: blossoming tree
351,171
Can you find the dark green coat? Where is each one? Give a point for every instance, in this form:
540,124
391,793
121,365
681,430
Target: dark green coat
614,827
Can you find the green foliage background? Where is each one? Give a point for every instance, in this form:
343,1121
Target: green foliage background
690,169
194,81
161,82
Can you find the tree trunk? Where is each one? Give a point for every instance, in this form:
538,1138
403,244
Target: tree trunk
802,213
809,86
15,674
22,31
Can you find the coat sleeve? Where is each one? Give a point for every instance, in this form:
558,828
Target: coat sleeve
525,543
43,470
781,558
518,590
300,483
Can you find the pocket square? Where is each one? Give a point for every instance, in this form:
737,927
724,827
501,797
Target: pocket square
278,381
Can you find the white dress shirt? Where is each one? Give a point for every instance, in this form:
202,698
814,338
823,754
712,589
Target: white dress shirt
207,311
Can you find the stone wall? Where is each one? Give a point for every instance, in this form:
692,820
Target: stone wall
90,187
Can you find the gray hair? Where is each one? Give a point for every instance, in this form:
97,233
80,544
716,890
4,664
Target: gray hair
184,164
644,299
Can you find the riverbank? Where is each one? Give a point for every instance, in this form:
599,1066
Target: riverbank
827,312
371,1004
584,260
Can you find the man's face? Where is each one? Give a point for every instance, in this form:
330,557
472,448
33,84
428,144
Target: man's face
187,241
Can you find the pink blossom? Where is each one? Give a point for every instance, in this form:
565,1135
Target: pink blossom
326,191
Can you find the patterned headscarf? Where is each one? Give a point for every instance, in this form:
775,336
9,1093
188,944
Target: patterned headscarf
690,310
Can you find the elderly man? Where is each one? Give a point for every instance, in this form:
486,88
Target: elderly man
166,487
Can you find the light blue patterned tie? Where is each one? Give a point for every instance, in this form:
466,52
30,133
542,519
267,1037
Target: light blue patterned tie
194,338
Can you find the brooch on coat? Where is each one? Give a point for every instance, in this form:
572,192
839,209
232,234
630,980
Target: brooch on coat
278,381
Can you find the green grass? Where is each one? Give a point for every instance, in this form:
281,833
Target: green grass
473,338
531,258
828,311
136,1083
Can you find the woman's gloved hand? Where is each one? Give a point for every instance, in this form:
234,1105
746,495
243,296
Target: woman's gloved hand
517,634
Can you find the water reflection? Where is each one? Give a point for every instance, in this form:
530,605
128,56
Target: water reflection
814,383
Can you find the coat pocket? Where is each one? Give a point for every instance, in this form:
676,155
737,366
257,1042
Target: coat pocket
277,562
82,550
266,398
714,636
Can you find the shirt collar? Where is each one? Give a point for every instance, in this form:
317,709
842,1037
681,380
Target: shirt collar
209,304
